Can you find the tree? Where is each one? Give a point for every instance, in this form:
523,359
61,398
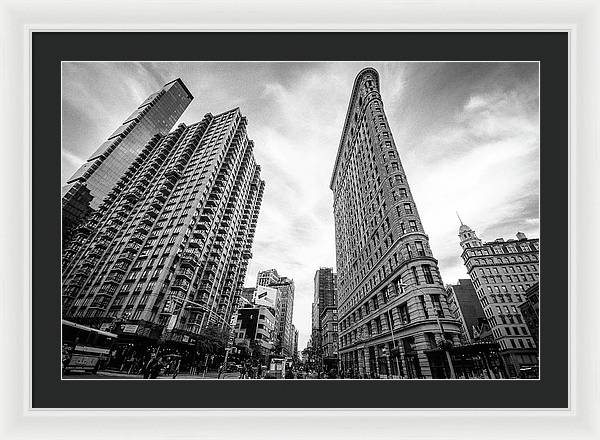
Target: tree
212,340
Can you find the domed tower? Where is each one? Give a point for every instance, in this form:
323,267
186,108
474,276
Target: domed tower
468,238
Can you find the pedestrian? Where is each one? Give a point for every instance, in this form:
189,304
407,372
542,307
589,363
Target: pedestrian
243,371
155,369
259,372
176,368
149,367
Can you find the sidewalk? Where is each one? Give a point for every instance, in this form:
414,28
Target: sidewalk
184,376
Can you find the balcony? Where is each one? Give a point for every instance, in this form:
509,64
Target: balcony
114,278
102,244
195,243
133,195
147,220
205,287
94,252
126,256
207,279
156,203
199,234
143,229
137,238
165,190
185,273
131,246
120,267
173,173
83,271
161,196
189,259
152,212
180,284
211,266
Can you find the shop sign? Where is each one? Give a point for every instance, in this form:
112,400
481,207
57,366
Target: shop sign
130,328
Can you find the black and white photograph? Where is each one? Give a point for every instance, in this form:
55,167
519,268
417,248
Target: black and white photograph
300,220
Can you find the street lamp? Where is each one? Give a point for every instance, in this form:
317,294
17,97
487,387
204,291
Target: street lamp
224,322
438,312
391,323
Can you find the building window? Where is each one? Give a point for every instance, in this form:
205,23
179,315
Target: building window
437,305
427,273
412,225
424,306
408,208
403,312
420,249
415,275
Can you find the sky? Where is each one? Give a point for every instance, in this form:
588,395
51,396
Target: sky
467,135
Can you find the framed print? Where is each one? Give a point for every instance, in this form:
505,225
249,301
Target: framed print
357,225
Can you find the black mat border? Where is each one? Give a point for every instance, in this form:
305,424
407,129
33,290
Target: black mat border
50,48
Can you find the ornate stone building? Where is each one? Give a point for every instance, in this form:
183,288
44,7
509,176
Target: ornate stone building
389,285
502,271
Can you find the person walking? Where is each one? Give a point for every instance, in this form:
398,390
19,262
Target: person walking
177,363
149,367
155,369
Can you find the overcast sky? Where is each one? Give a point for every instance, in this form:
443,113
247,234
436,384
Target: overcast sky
467,135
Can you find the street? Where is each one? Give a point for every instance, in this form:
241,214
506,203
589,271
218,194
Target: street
122,375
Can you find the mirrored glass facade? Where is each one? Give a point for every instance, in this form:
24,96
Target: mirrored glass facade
92,182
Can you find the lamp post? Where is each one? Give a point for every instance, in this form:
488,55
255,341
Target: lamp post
448,357
224,322
391,323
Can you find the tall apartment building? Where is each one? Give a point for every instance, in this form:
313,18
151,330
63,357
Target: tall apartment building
284,307
388,279
285,287
92,182
165,255
501,272
326,313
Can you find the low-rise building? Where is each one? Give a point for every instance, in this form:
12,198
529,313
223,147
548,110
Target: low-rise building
254,330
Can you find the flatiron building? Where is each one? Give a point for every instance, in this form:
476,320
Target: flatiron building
390,292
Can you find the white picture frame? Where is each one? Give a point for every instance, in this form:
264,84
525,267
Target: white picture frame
581,19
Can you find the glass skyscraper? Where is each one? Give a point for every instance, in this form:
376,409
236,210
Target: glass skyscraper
91,183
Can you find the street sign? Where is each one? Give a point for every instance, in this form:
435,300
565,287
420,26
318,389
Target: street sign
171,323
130,328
